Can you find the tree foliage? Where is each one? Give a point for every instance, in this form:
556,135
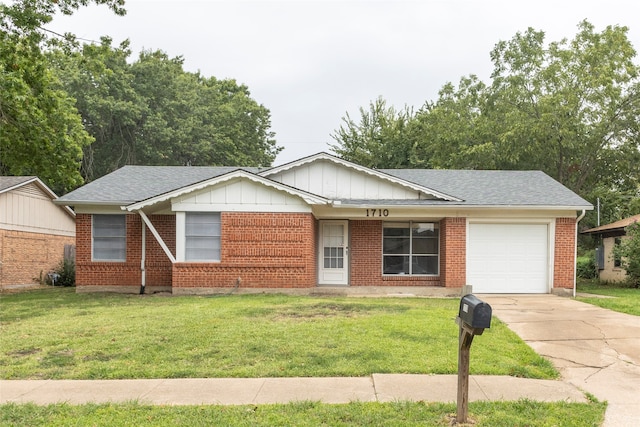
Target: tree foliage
570,108
70,113
41,132
379,140
629,253
152,112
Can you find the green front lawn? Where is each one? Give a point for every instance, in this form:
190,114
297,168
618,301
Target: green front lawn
624,299
405,414
56,333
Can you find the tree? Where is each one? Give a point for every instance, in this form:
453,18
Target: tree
41,132
629,253
152,112
569,108
379,140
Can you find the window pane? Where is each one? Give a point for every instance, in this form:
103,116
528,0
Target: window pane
425,246
202,236
419,243
109,238
395,265
396,245
424,229
425,265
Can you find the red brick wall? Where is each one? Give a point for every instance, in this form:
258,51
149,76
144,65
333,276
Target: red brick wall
26,258
564,256
128,273
453,252
261,249
366,259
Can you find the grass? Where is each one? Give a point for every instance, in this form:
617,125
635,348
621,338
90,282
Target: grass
57,334
624,299
494,414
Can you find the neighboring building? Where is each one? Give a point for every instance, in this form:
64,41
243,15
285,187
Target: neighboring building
33,230
323,221
609,267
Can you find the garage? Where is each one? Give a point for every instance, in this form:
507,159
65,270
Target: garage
508,258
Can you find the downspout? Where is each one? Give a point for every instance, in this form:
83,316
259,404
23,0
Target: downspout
575,256
143,258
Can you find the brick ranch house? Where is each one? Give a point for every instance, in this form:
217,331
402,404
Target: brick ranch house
323,221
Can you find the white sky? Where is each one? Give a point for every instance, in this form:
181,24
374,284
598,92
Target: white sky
310,62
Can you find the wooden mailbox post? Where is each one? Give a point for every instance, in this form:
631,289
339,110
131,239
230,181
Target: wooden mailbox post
473,317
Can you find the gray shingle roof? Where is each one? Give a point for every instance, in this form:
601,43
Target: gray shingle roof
494,187
131,184
12,181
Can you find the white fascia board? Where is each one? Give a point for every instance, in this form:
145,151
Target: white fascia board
363,169
464,206
307,197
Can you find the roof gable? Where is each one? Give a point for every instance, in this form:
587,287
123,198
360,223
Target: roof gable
11,183
334,178
191,191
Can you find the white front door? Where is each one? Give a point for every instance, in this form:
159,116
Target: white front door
333,253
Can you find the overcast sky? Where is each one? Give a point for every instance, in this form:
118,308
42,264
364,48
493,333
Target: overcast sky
310,62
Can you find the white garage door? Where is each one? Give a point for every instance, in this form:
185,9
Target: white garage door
508,258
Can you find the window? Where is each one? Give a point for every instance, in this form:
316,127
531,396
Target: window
202,236
109,238
410,248
617,259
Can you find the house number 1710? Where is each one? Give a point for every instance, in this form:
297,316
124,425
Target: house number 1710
377,212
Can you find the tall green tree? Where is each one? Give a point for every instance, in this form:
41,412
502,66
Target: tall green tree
378,140
101,82
41,132
150,111
570,108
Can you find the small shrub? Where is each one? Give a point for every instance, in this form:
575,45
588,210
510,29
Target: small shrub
66,274
629,253
586,266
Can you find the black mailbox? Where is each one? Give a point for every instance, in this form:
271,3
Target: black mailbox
474,312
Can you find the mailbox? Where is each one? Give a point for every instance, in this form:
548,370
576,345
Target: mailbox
474,312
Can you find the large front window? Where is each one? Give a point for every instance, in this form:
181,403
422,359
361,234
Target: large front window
410,248
202,236
109,238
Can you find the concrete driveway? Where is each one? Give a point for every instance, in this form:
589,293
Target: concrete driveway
595,349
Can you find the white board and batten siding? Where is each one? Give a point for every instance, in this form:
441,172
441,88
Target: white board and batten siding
28,209
509,257
240,196
333,181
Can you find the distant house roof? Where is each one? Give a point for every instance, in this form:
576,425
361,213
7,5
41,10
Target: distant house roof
10,183
617,226
471,188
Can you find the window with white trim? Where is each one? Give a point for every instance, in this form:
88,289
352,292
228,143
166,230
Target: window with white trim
410,248
202,236
109,238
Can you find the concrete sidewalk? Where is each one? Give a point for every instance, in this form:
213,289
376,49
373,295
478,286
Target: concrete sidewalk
239,391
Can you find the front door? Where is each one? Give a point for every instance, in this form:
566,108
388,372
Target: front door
334,253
